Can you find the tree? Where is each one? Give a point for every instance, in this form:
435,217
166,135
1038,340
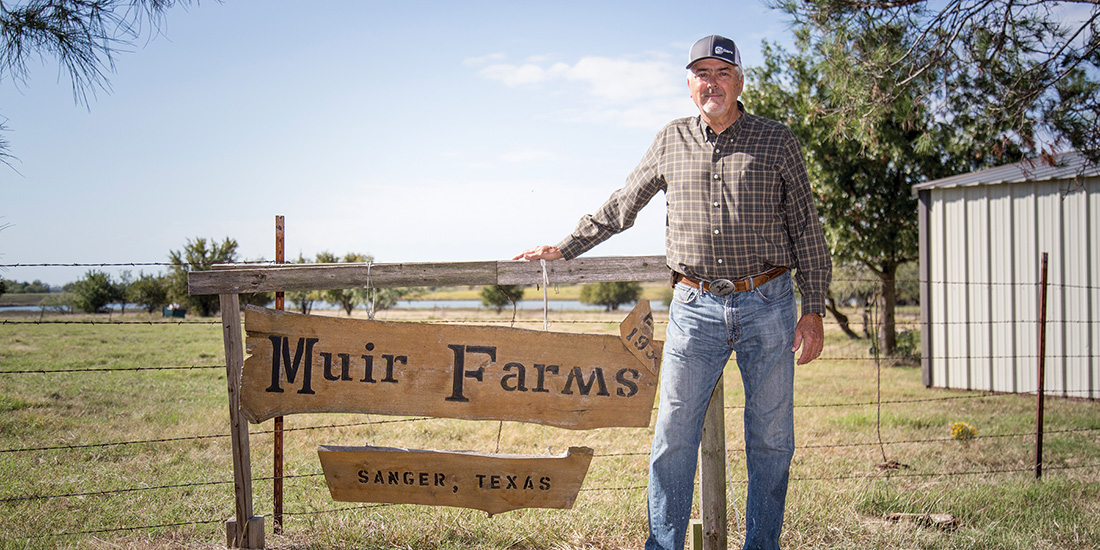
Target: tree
610,295
197,255
122,289
93,292
61,302
83,35
344,298
302,300
1010,71
149,291
862,180
498,296
347,299
20,287
3,287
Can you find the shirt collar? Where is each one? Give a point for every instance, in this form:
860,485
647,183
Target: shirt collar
734,128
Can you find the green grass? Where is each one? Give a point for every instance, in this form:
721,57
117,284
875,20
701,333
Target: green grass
838,497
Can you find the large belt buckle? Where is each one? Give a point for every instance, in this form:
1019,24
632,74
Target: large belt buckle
721,287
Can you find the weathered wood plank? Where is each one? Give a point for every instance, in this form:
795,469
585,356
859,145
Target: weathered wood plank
242,533
585,270
305,364
274,278
488,482
282,278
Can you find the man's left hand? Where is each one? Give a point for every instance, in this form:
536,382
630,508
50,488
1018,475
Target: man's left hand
809,335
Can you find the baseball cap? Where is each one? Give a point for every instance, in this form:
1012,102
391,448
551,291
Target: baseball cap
715,47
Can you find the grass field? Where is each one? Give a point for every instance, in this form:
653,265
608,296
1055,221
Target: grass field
115,457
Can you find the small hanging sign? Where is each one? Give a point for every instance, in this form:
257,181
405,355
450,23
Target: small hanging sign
489,482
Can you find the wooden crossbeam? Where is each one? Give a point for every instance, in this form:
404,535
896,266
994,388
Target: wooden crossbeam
236,279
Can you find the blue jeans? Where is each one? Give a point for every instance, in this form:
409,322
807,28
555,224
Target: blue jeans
703,331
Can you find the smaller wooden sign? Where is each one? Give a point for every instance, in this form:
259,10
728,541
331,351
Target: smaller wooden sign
489,482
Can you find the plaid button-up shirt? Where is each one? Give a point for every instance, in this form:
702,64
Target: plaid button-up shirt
738,203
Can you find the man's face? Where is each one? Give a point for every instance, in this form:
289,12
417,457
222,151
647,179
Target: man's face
715,86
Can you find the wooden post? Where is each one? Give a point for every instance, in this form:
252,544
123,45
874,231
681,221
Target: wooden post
277,455
712,472
1039,390
244,531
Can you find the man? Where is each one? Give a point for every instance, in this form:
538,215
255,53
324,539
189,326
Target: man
740,218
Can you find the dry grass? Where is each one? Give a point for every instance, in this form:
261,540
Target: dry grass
838,497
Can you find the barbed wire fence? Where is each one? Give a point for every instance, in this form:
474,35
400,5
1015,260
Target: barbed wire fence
164,444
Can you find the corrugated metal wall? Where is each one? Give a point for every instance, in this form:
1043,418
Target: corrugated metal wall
984,248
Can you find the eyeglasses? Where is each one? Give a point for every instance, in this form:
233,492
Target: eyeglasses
720,75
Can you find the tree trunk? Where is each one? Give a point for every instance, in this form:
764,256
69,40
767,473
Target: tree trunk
868,329
888,332
841,319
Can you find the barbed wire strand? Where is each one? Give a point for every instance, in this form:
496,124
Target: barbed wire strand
878,402
822,358
110,369
583,489
199,437
109,492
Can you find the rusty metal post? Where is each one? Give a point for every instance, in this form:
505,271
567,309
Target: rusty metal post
1042,367
277,459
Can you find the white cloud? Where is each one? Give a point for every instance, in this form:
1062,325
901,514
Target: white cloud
606,77
522,75
618,79
636,92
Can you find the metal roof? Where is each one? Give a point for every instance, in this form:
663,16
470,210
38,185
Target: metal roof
1067,166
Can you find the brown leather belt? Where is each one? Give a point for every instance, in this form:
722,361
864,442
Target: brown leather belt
722,287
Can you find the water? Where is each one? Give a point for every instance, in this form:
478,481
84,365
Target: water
112,307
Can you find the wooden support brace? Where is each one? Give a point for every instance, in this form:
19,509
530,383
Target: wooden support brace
251,537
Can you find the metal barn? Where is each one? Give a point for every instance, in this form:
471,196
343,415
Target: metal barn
982,236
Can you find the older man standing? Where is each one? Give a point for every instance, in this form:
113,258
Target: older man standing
740,219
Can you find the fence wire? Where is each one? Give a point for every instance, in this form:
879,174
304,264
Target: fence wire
878,402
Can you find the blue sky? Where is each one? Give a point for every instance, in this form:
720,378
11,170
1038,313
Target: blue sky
411,131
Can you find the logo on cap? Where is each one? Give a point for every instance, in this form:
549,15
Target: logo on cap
720,50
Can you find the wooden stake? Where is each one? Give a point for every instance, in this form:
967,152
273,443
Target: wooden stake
246,531
712,472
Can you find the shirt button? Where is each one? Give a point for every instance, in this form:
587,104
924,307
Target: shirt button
719,260
716,231
716,204
717,149
717,176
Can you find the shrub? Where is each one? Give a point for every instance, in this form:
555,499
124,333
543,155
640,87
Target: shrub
610,295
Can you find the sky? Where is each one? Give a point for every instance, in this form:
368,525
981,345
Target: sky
411,131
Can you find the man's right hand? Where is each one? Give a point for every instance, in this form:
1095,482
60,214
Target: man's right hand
543,252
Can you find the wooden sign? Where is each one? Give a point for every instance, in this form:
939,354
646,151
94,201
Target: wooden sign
306,364
488,482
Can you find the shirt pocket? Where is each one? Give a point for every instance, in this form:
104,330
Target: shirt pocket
759,196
